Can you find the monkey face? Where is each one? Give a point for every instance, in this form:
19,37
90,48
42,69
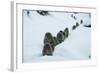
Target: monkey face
48,38
48,35
47,50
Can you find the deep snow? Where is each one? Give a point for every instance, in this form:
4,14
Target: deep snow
76,47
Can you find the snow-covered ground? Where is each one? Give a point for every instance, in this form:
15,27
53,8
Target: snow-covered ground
76,47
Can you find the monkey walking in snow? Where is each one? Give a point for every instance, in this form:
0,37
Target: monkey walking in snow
49,39
47,50
50,42
66,32
81,22
60,36
75,26
56,42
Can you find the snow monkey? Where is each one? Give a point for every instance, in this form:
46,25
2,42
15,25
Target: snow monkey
56,42
47,50
43,13
77,24
74,27
81,21
60,36
66,32
49,39
74,18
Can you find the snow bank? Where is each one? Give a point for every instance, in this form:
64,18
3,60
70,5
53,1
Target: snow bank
76,47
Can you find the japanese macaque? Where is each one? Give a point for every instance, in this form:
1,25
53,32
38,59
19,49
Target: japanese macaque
43,13
81,21
74,18
74,27
49,39
56,42
77,24
66,32
47,50
60,36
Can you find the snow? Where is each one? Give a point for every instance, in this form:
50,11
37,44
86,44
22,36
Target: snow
76,47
